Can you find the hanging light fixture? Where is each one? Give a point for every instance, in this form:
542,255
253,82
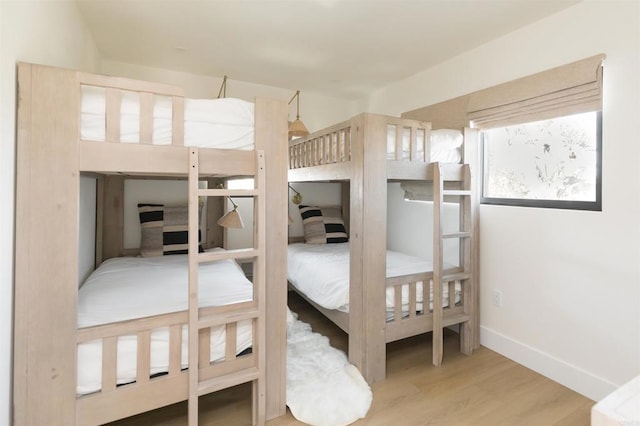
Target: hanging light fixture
232,219
223,88
297,127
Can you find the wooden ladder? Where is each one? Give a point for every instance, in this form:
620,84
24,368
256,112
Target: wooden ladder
230,315
460,176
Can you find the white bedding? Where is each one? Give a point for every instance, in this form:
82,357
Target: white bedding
321,272
136,287
226,123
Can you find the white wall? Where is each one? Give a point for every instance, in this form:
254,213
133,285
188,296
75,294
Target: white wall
44,32
570,279
401,214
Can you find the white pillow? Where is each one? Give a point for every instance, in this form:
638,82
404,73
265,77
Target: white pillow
445,139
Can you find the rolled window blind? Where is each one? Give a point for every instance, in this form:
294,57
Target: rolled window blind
569,89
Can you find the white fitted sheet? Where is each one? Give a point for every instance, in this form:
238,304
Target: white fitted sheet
135,287
226,123
321,272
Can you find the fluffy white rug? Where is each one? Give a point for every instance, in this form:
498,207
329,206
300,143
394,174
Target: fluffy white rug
323,389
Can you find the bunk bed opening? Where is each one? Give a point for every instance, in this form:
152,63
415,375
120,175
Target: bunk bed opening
383,305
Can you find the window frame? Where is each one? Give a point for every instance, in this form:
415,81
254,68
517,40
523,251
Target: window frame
549,204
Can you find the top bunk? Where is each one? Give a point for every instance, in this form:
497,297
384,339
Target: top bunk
131,127
409,148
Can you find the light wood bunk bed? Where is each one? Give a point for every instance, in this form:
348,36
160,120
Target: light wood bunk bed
365,153
51,156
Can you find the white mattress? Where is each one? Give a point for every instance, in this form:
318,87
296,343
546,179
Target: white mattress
136,287
213,123
321,272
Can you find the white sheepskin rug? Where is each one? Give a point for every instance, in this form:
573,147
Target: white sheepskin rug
323,389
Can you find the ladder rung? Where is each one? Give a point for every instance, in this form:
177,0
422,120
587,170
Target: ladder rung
220,192
228,380
210,256
227,317
456,192
457,235
456,276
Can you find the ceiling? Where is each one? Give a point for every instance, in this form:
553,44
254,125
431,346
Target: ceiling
342,48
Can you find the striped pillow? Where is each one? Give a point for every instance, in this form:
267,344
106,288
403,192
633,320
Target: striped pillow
323,225
164,230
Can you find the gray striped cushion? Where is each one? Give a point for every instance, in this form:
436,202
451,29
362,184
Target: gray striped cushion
323,225
164,229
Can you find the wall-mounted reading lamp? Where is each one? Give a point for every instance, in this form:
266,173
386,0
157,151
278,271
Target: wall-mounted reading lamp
232,219
297,127
297,197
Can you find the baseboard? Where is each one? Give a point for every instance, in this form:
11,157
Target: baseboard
568,375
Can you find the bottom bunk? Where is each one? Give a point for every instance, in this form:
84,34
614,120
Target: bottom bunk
133,338
320,274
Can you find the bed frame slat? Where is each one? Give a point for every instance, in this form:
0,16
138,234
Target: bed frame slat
397,303
452,294
231,341
109,363
413,310
204,346
146,117
177,126
143,370
175,349
112,110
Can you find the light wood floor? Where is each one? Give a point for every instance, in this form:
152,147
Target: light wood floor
483,389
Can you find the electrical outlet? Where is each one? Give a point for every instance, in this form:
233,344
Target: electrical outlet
496,298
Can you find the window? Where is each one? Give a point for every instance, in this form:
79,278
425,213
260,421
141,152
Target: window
542,135
554,163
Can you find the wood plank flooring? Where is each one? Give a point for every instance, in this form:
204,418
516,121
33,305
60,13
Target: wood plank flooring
483,389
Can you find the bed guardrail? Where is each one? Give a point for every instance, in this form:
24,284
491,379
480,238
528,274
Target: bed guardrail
408,316
98,407
406,140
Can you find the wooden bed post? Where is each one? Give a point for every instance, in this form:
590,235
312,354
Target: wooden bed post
368,243
346,202
46,266
275,147
112,217
472,155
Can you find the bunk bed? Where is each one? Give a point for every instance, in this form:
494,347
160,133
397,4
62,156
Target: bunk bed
55,145
364,153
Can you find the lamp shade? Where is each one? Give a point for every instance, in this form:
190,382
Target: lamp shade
297,129
231,220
